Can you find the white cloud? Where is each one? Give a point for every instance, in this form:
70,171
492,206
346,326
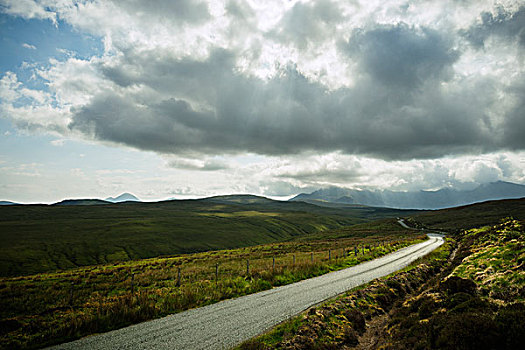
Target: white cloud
324,92
29,46
300,174
9,86
28,9
58,143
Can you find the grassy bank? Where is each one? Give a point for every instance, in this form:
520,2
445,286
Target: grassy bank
479,305
474,301
337,324
50,308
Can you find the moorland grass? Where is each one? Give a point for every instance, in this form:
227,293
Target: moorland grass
41,238
470,300
455,220
50,308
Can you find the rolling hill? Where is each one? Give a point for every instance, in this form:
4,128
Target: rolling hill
470,216
82,202
39,238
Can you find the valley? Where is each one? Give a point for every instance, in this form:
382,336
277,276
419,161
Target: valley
299,241
45,238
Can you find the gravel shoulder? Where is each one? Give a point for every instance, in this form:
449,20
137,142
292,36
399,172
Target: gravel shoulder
227,323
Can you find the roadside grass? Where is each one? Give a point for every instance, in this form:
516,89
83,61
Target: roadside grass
339,322
51,308
496,262
477,304
436,256
472,299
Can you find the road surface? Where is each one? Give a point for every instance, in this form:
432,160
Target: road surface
402,223
228,323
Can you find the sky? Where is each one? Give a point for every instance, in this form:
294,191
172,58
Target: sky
190,98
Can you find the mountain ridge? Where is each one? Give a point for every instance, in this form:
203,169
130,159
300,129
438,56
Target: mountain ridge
124,197
438,199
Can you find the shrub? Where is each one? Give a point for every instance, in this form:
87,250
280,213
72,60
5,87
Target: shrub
510,321
253,344
473,304
456,284
456,299
356,318
466,331
427,308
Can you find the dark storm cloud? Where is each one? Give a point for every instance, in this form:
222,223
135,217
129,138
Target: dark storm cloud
400,55
504,24
396,110
514,126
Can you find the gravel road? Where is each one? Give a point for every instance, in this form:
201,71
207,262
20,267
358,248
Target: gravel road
227,323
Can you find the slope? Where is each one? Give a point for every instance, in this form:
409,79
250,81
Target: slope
39,238
470,216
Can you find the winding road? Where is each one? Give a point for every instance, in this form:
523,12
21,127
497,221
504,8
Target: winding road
228,323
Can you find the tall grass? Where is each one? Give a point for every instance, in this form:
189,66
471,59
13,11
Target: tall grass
46,309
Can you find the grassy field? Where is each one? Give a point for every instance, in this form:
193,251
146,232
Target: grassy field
474,299
89,279
50,308
40,238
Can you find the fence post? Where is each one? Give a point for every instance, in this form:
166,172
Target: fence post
178,277
216,273
355,251
273,265
132,283
294,260
71,295
247,267
329,255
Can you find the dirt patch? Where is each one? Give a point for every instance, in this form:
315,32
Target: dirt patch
373,336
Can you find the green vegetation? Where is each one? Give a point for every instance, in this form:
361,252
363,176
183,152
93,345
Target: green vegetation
496,261
472,300
339,323
40,238
480,305
455,220
50,308
485,280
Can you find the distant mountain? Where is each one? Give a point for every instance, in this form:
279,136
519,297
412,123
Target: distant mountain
82,202
124,197
7,203
443,198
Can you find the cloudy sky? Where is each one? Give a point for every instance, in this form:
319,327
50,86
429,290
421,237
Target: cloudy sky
192,98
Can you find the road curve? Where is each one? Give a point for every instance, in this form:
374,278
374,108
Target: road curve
228,323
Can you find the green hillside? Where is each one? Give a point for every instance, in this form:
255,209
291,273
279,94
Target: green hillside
40,238
470,216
